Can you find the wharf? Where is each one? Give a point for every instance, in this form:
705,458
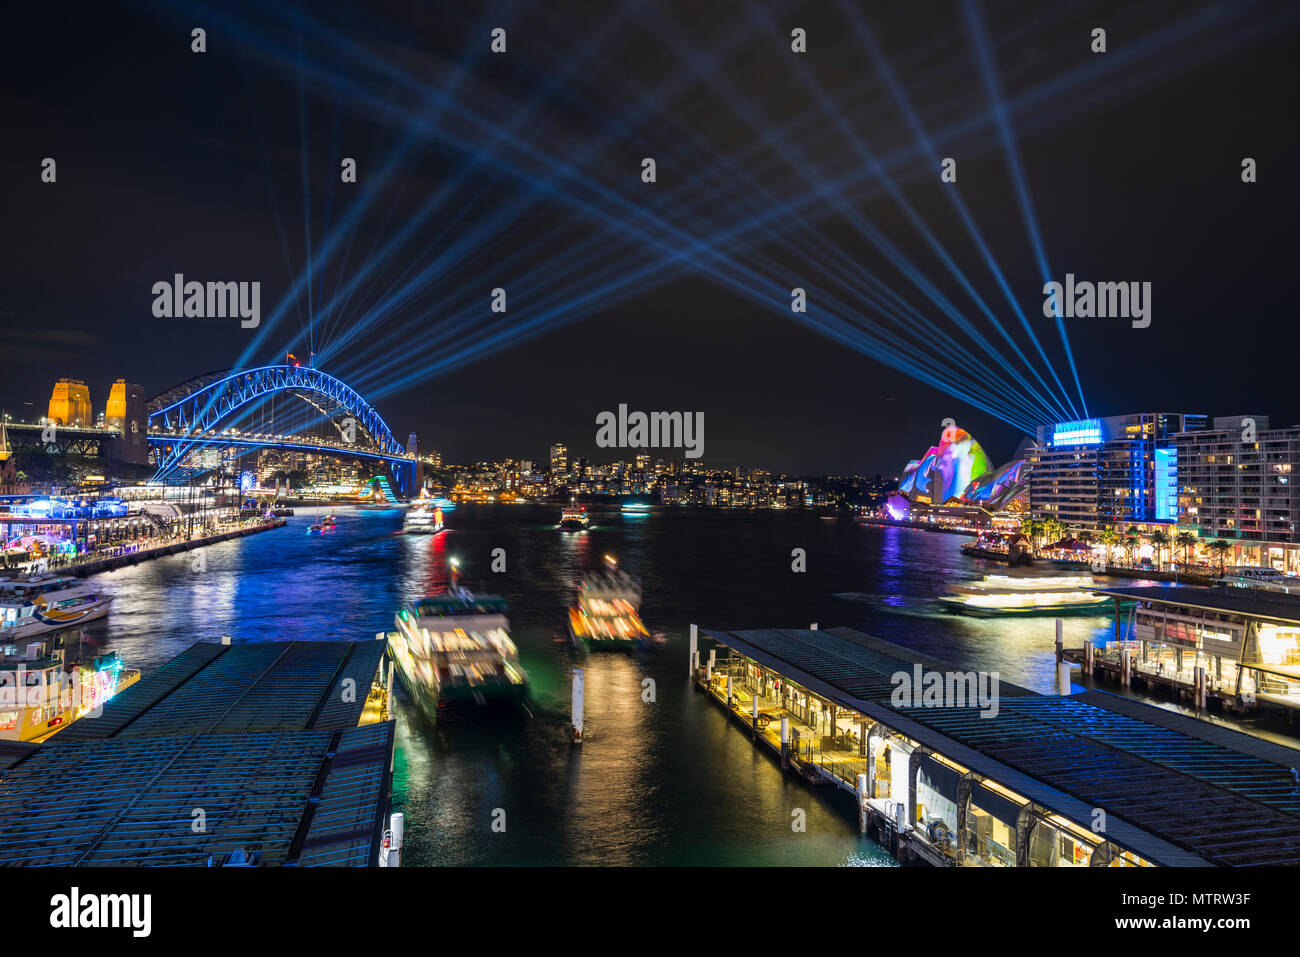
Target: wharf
1013,779
97,565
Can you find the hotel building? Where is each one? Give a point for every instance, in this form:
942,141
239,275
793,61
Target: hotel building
1235,484
1119,470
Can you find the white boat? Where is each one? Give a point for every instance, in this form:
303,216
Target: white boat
36,605
421,519
1012,596
455,648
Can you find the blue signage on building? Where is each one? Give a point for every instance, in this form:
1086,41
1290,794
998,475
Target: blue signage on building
1080,432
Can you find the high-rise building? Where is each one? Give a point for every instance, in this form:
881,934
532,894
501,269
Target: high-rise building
70,403
1112,471
559,460
1235,483
127,412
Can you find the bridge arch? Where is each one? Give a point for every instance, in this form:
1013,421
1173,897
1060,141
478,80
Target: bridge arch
196,409
187,416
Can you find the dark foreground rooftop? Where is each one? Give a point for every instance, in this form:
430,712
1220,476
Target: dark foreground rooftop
252,747
1176,790
305,797
267,686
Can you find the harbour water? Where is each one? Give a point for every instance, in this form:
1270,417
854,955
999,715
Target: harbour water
664,781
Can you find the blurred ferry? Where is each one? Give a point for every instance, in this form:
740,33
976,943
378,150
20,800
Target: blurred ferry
36,605
420,519
1012,597
607,613
455,648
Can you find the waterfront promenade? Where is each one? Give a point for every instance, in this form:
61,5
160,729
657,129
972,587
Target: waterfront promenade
118,556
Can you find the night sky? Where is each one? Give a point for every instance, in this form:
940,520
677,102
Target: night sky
523,170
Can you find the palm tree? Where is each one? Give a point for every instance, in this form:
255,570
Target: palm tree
1220,549
1160,540
1131,542
1109,537
1186,540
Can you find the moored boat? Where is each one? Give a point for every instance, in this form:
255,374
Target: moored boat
36,605
41,693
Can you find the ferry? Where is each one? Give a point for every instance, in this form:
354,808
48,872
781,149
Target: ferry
422,520
574,518
53,695
636,508
455,648
328,521
1010,596
36,605
607,613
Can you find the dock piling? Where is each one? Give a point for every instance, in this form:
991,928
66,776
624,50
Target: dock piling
785,741
862,803
391,856
579,688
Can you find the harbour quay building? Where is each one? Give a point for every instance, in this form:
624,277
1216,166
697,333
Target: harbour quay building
1115,470
1000,777
1235,484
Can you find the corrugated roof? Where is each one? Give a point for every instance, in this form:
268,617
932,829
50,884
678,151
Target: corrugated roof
265,686
1219,599
306,797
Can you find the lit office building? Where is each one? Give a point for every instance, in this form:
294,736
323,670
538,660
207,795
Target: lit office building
1119,470
1235,484
559,460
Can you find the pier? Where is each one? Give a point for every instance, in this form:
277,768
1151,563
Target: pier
269,753
1237,649
1020,779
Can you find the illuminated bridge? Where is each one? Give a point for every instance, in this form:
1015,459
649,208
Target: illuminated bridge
280,406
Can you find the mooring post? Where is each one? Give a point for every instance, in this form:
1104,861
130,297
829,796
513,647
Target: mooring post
579,687
862,803
785,741
1060,640
695,644
394,839
754,721
1125,668
1089,651
729,704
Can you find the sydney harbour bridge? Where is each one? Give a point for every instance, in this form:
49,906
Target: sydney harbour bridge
247,408
289,406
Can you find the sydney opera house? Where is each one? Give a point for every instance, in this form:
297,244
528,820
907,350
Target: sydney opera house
955,477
